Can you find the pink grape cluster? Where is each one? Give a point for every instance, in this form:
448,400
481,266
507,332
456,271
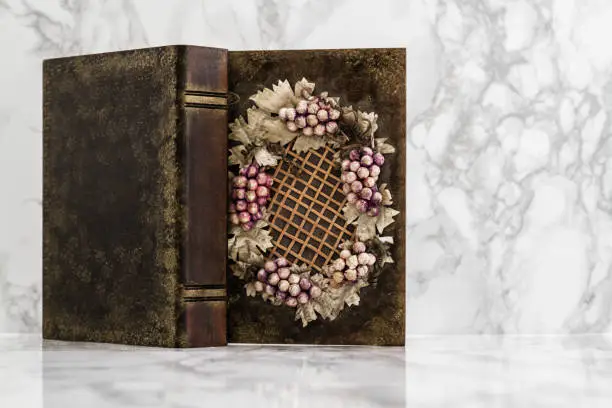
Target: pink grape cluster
360,173
250,195
315,115
354,263
276,279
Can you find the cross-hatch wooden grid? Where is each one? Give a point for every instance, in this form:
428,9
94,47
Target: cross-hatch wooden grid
307,223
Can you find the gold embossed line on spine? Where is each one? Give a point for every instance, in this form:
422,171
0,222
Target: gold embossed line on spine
205,99
204,293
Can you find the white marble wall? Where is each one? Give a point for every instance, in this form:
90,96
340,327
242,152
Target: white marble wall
509,153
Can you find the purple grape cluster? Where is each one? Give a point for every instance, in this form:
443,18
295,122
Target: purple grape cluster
360,173
250,195
353,264
276,279
314,115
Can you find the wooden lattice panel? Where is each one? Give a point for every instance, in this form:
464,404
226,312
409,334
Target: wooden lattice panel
307,223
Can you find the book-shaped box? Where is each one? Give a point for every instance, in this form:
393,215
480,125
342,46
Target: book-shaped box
195,196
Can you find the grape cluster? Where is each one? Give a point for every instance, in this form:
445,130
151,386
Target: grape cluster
250,195
360,173
314,115
354,263
276,279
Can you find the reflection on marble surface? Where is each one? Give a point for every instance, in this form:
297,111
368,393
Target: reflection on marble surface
509,161
433,371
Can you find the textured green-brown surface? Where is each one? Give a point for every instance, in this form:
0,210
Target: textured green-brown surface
110,242
370,80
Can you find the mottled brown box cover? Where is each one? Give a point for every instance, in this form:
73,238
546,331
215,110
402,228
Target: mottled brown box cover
370,80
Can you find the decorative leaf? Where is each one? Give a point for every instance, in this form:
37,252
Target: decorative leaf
240,269
303,84
250,289
366,227
367,121
305,143
385,218
271,100
350,213
240,131
246,244
387,199
264,158
275,131
383,147
299,269
387,240
306,313
238,155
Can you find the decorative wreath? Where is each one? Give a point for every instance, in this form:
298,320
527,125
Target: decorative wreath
285,123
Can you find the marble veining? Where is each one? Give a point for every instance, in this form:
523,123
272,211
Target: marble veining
433,371
509,151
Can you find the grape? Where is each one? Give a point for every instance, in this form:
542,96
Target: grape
346,188
356,186
252,170
354,155
374,212
377,198
362,205
350,177
303,298
262,191
359,247
362,271
262,275
270,290
294,278
244,217
302,107
251,196
363,258
319,130
305,284
367,161
270,181
234,219
284,272
354,166
262,179
257,216
281,262
240,181
294,289
352,262
334,114
345,253
313,108
291,114
243,171
363,172
252,184
291,302
270,266
315,292
282,113
345,164
273,278
232,208
331,127
308,131
281,295
338,277
292,127
369,182
350,274
259,286
253,208
339,264
379,159
262,201
283,285
366,151
366,193
247,226
300,121
312,120
374,170
322,115
372,260
351,198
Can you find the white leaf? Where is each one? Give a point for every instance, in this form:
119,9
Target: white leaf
264,158
388,240
303,84
238,156
387,199
305,143
250,289
383,147
350,213
367,121
239,269
366,227
385,218
275,131
306,313
240,131
387,259
246,244
271,100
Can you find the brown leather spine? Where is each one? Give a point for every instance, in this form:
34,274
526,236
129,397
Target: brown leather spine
202,94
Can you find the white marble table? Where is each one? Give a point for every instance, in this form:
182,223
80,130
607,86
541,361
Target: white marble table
448,371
